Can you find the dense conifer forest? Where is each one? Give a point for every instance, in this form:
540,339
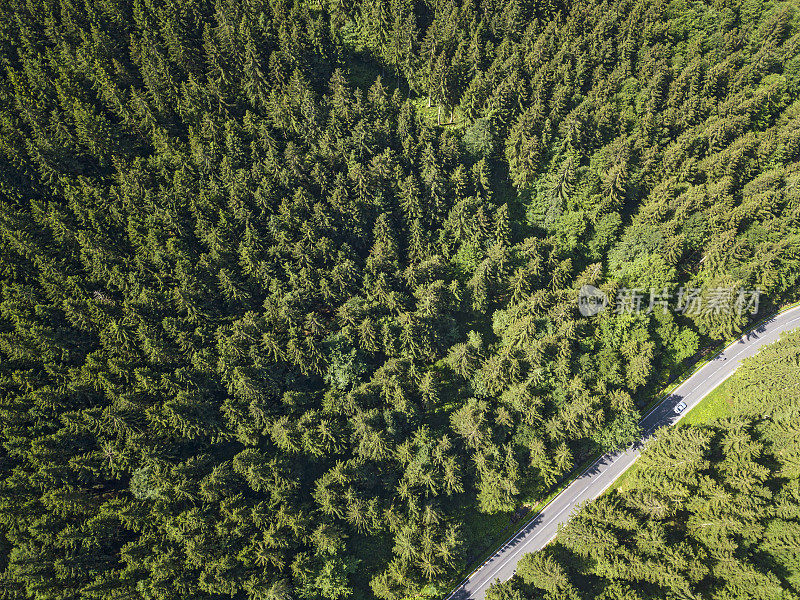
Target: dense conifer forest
289,290
713,513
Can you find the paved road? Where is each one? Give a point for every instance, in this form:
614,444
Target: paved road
540,530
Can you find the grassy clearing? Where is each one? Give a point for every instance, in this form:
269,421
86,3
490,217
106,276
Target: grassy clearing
717,405
624,482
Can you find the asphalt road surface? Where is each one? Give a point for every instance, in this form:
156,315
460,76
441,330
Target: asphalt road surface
542,528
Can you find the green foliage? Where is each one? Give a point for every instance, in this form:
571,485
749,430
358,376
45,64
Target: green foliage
479,137
281,278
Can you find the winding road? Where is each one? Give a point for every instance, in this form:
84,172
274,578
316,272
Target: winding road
542,528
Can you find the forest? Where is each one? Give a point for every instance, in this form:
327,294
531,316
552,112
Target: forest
289,289
713,512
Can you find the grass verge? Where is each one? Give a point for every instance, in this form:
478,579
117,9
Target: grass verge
717,405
